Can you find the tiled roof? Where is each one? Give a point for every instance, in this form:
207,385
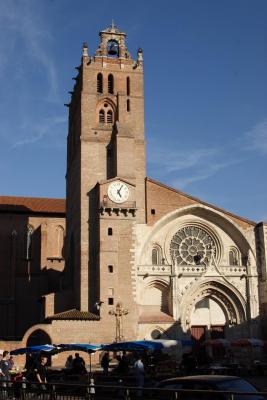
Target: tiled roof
32,205
74,315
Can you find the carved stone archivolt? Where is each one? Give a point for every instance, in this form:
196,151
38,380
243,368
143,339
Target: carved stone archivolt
228,301
193,245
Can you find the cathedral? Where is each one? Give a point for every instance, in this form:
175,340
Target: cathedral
125,256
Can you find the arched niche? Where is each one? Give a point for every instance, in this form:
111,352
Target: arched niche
38,337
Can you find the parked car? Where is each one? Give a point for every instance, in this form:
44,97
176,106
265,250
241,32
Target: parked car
207,382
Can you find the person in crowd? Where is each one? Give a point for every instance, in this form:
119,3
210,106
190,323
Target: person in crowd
41,372
69,362
78,364
105,363
30,366
1,372
11,362
5,373
5,367
124,363
189,363
139,371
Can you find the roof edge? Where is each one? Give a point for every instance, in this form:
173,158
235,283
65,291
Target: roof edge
201,201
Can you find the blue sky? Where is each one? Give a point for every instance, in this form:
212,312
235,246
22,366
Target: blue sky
205,93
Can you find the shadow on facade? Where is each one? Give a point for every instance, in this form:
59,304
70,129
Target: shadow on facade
24,280
93,250
200,334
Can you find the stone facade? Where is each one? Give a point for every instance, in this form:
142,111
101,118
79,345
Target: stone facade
177,266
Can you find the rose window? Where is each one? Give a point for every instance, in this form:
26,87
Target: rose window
192,245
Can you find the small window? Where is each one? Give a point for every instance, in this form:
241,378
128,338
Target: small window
155,256
128,86
102,116
99,83
153,211
110,84
109,117
128,105
233,257
110,269
110,232
110,301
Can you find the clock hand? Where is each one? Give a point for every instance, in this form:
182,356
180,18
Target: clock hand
119,190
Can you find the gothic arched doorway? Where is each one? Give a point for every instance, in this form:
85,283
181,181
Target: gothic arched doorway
209,309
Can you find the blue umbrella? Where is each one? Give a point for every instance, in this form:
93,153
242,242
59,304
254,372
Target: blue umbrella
137,345
161,344
127,346
88,348
48,348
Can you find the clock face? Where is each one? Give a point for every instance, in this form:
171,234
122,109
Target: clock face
118,192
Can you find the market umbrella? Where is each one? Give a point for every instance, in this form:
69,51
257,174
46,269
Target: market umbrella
88,348
47,348
127,346
247,342
160,344
139,345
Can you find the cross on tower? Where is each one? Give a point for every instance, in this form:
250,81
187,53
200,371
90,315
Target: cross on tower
118,312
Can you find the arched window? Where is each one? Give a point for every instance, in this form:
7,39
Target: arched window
109,117
110,84
128,105
233,257
102,116
155,256
128,86
99,83
110,232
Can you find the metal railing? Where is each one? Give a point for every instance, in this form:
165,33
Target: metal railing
24,390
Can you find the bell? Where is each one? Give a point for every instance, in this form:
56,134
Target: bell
112,49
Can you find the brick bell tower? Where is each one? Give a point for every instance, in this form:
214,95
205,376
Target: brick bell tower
105,179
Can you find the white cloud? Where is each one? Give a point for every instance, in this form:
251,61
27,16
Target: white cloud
38,132
20,26
184,167
257,137
173,160
202,174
